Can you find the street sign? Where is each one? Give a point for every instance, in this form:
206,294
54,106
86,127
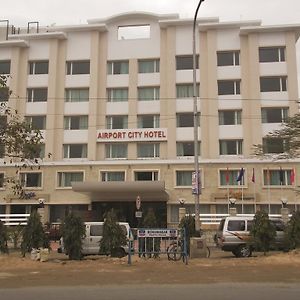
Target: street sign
138,202
144,233
138,214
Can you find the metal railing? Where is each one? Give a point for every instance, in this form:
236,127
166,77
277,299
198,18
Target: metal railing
14,219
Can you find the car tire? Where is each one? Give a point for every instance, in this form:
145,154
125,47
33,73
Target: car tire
118,252
244,251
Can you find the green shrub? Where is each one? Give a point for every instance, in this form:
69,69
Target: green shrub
293,231
113,236
15,234
3,238
33,235
73,231
262,232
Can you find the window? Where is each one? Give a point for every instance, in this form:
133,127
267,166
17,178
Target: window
148,121
134,32
37,95
274,114
4,94
3,121
32,180
1,180
148,93
272,54
113,176
229,177
117,150
186,90
2,150
185,148
38,67
75,150
184,178
75,122
231,147
65,179
274,145
78,67
116,122
96,230
230,117
229,87
148,66
228,58
186,62
236,225
117,95
185,120
117,67
146,175
5,67
37,122
77,95
277,177
147,150
273,84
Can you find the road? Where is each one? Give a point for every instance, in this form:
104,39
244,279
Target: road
222,291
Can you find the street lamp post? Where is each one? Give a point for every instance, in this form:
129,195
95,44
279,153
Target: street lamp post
197,191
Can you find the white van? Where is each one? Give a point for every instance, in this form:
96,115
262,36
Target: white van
93,236
234,235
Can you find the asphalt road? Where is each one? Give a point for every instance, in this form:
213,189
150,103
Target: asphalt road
221,291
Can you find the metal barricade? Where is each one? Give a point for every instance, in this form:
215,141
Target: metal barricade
154,242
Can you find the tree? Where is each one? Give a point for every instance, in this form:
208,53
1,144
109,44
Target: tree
288,136
113,236
152,244
3,238
293,231
73,233
262,232
33,234
20,142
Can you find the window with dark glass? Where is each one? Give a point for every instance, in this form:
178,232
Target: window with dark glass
78,67
5,67
185,62
37,122
271,54
273,84
185,120
4,94
274,114
1,180
113,176
231,147
228,58
229,87
148,121
274,145
117,122
145,175
117,67
75,150
33,179
38,67
37,95
230,117
185,148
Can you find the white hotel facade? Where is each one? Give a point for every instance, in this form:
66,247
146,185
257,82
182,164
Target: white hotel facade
113,99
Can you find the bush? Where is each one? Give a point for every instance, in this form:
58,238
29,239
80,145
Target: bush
73,231
33,235
262,232
293,231
15,234
3,238
113,236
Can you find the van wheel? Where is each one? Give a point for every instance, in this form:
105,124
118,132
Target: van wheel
243,251
118,252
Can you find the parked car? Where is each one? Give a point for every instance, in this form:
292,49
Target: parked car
234,235
94,234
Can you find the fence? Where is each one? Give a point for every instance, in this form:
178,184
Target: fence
14,219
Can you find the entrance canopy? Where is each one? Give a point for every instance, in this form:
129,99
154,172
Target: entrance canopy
122,190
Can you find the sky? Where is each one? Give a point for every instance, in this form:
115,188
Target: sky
67,12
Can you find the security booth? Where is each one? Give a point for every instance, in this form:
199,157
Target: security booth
122,195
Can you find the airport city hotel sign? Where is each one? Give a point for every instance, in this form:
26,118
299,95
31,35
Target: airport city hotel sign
132,135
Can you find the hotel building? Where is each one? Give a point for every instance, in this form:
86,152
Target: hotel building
114,101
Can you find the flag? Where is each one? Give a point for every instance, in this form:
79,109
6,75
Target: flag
281,176
253,176
227,176
241,175
292,176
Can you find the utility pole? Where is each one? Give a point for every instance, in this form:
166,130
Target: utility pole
197,190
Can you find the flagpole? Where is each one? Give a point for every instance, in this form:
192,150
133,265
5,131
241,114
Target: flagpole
269,198
242,198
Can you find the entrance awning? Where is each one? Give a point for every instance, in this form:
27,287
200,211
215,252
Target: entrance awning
122,190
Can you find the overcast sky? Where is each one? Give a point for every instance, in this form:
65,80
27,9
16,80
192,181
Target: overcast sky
63,12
